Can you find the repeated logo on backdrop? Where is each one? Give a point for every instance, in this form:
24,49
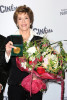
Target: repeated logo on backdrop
42,31
4,9
63,12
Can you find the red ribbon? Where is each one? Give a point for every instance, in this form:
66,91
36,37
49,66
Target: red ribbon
43,76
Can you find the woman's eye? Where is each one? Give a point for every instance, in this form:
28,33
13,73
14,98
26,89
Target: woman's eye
19,19
26,18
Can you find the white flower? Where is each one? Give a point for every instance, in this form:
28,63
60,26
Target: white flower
44,53
23,64
31,50
32,58
45,61
53,57
30,69
48,56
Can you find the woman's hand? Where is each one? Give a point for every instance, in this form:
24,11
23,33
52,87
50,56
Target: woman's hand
0,87
9,47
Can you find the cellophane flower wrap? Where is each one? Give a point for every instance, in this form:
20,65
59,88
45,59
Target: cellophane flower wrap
42,62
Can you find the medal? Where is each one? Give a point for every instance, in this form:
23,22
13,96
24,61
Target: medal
16,50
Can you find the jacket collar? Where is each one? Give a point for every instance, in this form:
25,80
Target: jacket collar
32,34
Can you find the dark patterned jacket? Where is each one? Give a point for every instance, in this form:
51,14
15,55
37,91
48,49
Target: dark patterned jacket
16,76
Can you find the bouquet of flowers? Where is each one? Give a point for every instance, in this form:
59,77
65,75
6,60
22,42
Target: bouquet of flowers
44,62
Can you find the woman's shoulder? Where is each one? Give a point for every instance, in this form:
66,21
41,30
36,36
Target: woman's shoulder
35,36
37,39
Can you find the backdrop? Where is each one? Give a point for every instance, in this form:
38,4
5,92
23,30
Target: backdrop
50,17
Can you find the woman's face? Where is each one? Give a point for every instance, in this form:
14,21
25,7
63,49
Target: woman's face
23,21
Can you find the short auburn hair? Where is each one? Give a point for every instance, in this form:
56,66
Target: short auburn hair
24,9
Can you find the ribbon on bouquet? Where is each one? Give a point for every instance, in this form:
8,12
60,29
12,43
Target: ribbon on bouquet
29,84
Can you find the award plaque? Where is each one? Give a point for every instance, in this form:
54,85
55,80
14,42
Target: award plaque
18,43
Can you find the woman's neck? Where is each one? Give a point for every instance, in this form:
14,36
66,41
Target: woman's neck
25,35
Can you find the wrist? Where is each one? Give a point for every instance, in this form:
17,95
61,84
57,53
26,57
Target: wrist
1,86
8,53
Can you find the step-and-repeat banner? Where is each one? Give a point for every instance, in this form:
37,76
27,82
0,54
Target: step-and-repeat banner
50,17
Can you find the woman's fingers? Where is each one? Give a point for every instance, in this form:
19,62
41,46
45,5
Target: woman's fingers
13,47
9,47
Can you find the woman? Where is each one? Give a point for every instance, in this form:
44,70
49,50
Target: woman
23,18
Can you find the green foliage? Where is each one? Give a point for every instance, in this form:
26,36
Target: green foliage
42,46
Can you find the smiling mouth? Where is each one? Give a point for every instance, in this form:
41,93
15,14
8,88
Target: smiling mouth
23,25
